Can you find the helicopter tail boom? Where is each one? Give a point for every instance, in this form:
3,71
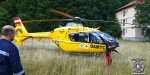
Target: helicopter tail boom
22,34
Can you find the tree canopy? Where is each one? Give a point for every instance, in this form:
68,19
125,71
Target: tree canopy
39,9
143,17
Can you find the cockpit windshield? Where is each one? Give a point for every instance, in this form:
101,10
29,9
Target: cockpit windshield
74,24
106,36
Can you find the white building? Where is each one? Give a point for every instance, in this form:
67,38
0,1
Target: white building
125,16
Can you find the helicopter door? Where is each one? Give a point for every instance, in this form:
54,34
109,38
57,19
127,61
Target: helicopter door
79,42
76,37
83,43
96,43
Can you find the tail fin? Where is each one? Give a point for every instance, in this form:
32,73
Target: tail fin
21,32
19,25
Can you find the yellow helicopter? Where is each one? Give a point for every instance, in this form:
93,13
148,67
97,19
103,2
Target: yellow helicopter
73,38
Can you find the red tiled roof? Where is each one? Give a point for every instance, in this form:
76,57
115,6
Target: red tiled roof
130,4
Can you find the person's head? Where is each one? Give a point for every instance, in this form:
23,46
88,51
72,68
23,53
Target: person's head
110,40
8,32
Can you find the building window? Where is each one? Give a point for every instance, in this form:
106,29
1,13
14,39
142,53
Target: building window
124,13
123,22
135,11
123,32
126,30
133,22
142,31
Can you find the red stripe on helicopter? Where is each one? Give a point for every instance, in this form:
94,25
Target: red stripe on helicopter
17,21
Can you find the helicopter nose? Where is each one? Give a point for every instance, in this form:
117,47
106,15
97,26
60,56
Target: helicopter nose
115,42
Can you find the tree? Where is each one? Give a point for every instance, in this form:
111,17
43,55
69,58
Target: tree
86,9
123,2
143,17
4,17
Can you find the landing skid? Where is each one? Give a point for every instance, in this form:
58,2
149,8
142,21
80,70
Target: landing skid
94,55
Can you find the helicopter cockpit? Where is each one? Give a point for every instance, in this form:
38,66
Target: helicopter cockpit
74,24
88,37
92,37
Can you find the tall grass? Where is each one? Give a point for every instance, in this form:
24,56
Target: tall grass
45,58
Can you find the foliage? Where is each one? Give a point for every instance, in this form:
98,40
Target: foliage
39,9
124,2
5,18
143,16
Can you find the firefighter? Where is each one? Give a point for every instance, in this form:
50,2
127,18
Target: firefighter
109,47
9,55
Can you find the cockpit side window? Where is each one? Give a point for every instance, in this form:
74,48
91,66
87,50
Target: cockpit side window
79,37
83,37
76,37
95,38
72,37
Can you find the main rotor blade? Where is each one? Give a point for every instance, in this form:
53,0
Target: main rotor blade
120,22
51,20
86,20
105,21
64,14
95,20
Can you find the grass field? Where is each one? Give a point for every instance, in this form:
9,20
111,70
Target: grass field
45,58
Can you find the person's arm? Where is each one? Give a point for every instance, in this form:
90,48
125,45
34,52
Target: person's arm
14,59
111,47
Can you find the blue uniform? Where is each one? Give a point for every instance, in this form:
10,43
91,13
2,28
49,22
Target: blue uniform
9,59
107,45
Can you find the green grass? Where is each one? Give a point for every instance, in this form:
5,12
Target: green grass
45,58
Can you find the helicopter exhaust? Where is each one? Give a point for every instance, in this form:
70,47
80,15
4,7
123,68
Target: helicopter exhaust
97,28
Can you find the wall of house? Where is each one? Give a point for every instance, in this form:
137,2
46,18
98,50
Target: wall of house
129,14
139,32
128,32
126,17
135,38
126,23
